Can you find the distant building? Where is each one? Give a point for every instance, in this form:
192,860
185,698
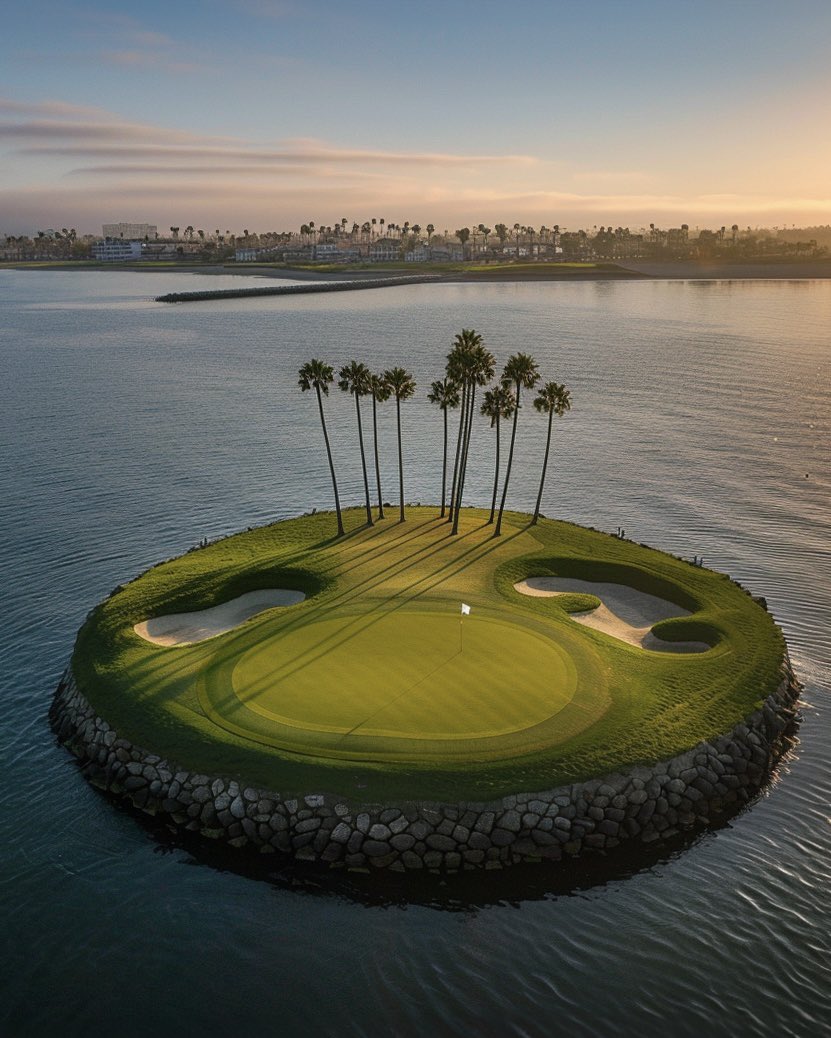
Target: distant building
251,255
130,231
385,250
299,254
330,252
116,251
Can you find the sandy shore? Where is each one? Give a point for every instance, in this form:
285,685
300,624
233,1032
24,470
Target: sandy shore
190,628
623,613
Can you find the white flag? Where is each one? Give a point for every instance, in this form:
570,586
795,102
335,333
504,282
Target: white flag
465,609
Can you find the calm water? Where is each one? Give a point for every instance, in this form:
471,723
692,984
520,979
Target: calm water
130,430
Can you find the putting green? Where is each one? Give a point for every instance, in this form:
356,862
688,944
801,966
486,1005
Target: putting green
407,675
404,683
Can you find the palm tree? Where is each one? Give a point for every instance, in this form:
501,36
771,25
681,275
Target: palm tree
458,361
380,392
521,371
445,394
355,378
463,234
317,375
402,384
480,367
552,399
499,403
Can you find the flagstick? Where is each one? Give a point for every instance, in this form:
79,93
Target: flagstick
461,618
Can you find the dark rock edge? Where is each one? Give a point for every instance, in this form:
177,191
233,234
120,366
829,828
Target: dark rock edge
645,804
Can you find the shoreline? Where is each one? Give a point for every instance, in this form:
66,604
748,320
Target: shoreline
634,270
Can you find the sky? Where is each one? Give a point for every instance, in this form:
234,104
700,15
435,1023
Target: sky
265,114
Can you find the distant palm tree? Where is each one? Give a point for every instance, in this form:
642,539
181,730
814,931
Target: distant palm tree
552,399
355,378
521,371
499,402
445,394
402,385
463,234
380,392
317,375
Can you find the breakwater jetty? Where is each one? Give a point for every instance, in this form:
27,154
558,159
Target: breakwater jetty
295,290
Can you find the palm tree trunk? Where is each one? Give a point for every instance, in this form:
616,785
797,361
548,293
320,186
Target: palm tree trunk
462,419
444,465
498,529
465,449
400,459
363,461
331,463
377,466
496,474
544,467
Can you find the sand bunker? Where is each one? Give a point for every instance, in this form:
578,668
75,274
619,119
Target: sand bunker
189,628
624,613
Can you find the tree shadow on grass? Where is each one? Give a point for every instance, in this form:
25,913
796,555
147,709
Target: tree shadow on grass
366,620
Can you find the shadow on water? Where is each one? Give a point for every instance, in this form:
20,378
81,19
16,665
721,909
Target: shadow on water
464,891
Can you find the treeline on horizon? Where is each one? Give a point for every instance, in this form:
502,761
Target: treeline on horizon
604,241
470,366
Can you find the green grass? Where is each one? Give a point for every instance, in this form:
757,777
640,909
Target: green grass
363,688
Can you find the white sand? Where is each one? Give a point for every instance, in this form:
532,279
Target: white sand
623,613
189,628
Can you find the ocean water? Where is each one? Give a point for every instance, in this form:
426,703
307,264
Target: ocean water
129,430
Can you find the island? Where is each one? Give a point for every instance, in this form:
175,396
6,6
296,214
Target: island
399,697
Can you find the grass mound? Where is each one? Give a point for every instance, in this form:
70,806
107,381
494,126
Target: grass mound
374,684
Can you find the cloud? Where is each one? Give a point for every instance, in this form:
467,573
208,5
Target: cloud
146,169
321,155
78,124
75,132
82,164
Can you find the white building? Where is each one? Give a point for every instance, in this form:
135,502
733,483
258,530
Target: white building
130,231
385,250
116,251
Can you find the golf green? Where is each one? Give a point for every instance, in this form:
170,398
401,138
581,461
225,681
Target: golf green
407,674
